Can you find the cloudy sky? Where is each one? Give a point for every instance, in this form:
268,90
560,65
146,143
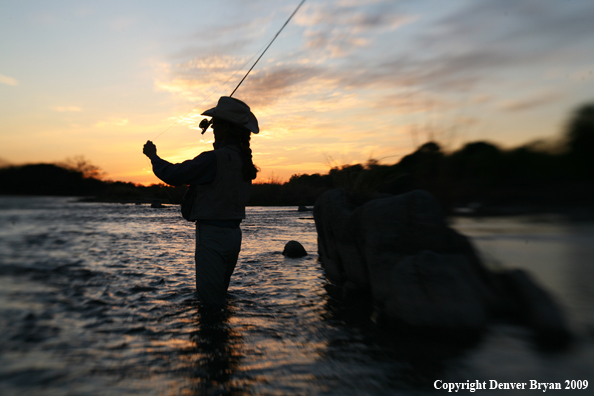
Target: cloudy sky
346,81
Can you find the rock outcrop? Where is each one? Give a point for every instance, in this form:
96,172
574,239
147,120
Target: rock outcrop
419,272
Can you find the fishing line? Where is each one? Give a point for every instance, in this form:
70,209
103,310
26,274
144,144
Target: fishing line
244,77
272,41
210,94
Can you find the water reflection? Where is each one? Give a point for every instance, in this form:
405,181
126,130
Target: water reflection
580,273
400,359
218,353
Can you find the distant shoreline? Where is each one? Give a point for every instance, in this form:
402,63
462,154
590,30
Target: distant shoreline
570,212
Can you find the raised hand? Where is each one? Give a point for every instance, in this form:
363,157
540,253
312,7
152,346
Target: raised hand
149,149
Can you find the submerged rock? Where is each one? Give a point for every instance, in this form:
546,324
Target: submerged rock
294,249
420,272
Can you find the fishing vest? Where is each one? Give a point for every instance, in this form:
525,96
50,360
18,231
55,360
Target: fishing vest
226,197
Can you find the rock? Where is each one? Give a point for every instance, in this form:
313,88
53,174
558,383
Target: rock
532,306
419,272
338,247
417,266
157,205
294,249
332,212
394,228
303,208
435,291
350,292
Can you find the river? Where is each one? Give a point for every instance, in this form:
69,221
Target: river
98,299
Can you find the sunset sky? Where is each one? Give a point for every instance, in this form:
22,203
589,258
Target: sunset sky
346,81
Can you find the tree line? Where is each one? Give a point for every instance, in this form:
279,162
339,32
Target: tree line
479,175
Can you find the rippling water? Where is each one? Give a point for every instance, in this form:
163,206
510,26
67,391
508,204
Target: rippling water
98,299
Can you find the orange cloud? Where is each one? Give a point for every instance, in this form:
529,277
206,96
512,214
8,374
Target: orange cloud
8,80
63,109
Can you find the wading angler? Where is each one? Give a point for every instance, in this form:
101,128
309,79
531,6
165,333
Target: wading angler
219,189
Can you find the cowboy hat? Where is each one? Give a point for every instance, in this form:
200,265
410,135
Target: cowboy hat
234,111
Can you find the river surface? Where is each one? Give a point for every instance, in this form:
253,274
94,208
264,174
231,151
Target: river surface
98,299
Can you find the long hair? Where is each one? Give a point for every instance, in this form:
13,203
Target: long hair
238,135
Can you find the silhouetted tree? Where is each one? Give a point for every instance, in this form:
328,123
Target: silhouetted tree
45,179
82,165
580,140
314,180
425,165
430,147
478,162
346,176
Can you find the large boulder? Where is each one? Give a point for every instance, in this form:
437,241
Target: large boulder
338,246
437,291
417,270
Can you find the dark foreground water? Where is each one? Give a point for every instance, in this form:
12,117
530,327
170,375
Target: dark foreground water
98,299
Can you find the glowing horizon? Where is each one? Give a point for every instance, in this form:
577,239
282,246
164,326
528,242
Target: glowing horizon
346,81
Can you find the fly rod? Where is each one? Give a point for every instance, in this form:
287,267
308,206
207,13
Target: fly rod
204,124
272,41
